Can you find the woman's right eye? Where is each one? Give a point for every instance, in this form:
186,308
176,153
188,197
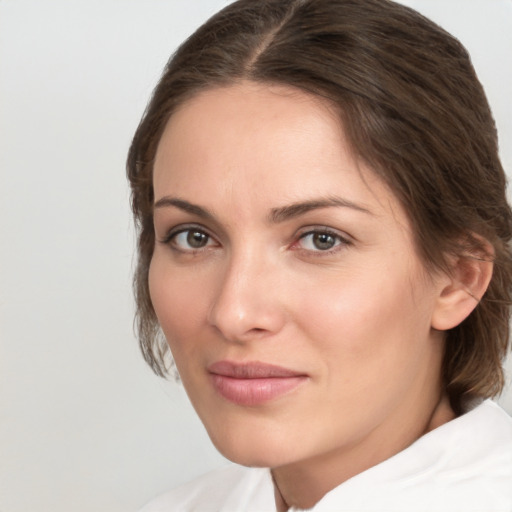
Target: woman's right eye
189,240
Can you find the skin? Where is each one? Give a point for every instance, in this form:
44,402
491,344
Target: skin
358,319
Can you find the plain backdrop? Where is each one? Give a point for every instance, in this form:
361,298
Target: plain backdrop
84,425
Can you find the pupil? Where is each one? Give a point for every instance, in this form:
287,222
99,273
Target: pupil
323,241
196,239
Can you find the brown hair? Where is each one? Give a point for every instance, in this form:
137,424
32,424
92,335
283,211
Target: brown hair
412,108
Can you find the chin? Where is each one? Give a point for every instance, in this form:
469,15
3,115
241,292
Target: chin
252,460
262,459
255,450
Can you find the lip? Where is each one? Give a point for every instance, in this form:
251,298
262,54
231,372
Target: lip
253,383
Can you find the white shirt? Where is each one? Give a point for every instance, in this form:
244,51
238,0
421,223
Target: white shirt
464,465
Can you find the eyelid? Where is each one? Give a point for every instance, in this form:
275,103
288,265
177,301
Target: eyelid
344,239
307,230
182,228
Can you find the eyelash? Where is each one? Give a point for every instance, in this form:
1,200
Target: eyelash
171,236
341,242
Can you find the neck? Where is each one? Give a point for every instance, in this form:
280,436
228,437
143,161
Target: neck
302,484
281,505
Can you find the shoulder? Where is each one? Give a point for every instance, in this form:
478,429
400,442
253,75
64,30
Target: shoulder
464,465
484,433
230,488
473,466
488,412
469,458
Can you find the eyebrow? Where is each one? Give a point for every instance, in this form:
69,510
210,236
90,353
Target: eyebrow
185,206
291,211
276,215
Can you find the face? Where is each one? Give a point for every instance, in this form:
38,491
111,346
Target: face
285,279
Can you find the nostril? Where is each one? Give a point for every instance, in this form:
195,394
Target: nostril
255,333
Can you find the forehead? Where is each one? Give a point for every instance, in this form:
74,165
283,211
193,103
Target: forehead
274,144
239,118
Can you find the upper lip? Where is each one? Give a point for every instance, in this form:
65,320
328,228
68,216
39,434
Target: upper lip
251,370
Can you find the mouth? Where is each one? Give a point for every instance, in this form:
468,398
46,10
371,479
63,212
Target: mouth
253,383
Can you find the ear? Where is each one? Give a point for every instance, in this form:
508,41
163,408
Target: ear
461,290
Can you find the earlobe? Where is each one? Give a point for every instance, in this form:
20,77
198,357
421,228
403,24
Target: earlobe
461,291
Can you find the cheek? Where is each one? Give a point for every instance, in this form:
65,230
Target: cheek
364,314
180,303
365,330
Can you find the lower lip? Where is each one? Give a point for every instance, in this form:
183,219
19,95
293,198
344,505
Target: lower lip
254,391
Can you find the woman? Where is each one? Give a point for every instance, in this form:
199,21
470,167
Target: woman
323,240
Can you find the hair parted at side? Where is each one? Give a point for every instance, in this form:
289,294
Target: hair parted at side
413,110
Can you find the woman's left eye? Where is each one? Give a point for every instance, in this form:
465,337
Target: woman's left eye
320,241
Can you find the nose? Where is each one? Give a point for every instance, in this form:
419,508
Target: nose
248,303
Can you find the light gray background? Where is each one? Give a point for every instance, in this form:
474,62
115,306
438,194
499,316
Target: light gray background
84,425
